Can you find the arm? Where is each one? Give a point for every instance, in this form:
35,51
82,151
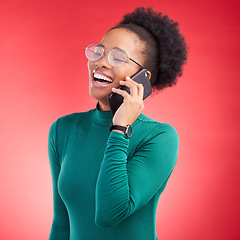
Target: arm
60,224
123,187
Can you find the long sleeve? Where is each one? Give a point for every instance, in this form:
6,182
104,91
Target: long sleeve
60,224
125,185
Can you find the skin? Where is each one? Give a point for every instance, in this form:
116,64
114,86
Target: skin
133,103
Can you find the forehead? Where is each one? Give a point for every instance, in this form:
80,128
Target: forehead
123,39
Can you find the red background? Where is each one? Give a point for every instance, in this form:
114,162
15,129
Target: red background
43,76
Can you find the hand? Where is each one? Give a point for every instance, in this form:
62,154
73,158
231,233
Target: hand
132,105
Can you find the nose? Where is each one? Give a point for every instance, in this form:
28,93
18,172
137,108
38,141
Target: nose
103,61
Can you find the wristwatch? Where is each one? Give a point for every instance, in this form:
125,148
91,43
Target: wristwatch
127,130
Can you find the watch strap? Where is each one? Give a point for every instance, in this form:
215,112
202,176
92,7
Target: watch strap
127,130
118,127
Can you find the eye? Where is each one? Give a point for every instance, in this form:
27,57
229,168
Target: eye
97,54
118,60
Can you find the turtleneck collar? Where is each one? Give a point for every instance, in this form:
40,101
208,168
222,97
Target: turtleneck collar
102,118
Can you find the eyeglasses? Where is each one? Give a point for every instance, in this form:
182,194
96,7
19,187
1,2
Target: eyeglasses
116,56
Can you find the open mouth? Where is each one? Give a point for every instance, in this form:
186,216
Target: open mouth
102,79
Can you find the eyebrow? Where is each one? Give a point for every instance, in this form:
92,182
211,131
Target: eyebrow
112,49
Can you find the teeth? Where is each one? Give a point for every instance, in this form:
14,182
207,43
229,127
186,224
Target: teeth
100,76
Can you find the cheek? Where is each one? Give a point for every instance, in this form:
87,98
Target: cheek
118,75
126,71
121,72
90,66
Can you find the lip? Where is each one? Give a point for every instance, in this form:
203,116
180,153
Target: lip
100,84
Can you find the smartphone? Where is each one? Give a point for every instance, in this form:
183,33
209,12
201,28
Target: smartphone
115,100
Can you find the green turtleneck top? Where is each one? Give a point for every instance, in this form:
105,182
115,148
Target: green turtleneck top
106,186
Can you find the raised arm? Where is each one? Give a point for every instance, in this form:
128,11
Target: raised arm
125,185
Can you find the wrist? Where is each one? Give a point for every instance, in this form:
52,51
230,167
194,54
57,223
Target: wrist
124,124
116,130
126,130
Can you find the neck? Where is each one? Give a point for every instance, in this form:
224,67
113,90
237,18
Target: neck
104,106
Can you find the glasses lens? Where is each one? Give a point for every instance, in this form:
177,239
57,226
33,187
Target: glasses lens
117,57
93,52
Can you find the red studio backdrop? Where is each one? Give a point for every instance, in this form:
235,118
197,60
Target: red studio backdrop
43,74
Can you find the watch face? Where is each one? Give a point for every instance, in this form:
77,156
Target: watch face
129,131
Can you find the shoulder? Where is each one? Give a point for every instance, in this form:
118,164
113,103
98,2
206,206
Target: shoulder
154,127
157,138
147,131
69,121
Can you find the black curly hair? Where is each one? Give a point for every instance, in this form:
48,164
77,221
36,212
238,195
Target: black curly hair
166,49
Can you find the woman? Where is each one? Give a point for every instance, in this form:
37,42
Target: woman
106,183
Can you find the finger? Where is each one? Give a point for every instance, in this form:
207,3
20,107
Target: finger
120,92
139,86
134,82
133,87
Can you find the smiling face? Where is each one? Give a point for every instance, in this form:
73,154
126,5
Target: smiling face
102,75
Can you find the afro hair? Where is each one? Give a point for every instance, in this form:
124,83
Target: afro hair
165,51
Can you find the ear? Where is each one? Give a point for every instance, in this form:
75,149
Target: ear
149,74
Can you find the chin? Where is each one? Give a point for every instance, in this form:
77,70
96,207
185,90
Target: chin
98,95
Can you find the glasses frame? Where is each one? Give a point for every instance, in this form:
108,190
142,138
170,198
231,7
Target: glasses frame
105,49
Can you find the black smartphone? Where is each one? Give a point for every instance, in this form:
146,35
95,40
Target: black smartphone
115,100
